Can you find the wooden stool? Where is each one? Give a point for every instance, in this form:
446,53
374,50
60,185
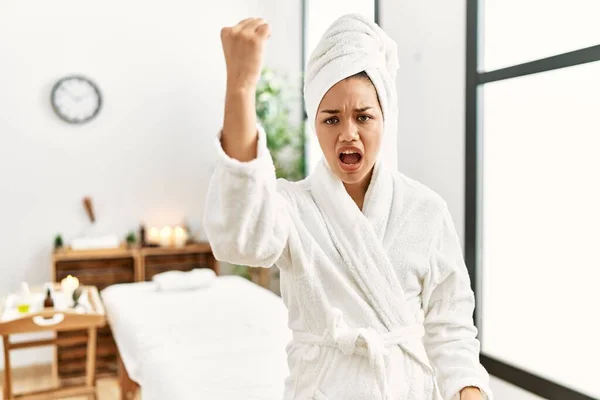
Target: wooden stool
57,321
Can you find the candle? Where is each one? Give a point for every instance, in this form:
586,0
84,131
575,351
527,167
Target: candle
68,286
180,236
153,235
166,236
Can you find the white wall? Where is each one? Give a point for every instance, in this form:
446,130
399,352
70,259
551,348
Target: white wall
148,155
431,89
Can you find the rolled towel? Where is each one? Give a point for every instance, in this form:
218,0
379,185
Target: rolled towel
353,44
199,278
96,243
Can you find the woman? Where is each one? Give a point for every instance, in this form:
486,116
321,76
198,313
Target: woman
372,273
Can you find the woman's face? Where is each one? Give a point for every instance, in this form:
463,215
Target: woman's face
349,126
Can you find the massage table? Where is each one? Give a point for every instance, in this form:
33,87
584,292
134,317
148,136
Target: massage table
225,342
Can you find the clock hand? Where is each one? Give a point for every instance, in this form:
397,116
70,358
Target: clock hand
71,95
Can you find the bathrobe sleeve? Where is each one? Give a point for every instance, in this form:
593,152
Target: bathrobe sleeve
246,219
448,301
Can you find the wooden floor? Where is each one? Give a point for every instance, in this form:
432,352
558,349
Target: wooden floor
40,377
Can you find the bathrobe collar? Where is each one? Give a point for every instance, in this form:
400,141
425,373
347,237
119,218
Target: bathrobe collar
360,240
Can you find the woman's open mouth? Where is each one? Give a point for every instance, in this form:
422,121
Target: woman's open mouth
350,159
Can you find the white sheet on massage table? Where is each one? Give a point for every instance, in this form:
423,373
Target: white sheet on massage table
224,342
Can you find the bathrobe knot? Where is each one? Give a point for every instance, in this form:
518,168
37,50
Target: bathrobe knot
363,341
366,342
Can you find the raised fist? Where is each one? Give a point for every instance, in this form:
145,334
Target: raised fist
243,46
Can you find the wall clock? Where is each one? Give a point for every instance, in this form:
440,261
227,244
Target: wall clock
76,99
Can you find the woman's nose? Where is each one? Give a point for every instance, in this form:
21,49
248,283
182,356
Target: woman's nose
348,132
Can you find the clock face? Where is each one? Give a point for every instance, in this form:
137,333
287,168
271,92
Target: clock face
76,99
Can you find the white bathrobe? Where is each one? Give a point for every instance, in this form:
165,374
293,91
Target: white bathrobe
379,300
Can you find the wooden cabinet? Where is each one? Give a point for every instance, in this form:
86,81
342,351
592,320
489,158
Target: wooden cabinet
103,268
156,260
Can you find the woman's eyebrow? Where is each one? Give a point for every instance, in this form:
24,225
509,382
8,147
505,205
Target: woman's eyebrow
362,109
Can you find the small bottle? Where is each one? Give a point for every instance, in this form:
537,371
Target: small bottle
48,301
143,236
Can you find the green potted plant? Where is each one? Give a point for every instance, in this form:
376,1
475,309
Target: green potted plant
285,139
58,242
130,239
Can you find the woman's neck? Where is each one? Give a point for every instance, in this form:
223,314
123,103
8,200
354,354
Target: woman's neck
357,191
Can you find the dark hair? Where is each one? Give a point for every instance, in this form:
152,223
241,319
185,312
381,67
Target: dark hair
365,77
362,75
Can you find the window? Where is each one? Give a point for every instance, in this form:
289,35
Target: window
517,31
533,191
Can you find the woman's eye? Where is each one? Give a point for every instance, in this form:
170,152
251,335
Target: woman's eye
364,118
331,121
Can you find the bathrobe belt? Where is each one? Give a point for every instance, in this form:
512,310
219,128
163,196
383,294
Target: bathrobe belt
360,341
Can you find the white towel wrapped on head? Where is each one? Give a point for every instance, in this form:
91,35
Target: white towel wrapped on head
199,278
353,44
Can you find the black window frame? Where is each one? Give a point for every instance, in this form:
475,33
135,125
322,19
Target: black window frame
475,79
